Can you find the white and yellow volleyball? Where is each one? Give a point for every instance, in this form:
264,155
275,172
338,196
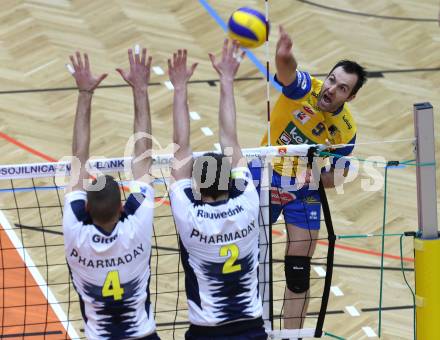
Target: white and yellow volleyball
248,26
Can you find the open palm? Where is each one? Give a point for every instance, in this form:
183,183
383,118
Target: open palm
230,61
83,75
138,75
178,70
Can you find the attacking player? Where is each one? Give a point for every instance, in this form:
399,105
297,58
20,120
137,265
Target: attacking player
108,245
308,111
217,220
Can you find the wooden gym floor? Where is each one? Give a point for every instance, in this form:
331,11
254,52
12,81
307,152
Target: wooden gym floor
397,41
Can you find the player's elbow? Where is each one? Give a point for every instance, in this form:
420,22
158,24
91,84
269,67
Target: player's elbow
286,78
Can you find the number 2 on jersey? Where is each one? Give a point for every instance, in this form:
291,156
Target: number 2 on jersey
233,252
112,286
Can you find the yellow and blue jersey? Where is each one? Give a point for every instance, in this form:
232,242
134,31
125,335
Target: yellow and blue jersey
297,119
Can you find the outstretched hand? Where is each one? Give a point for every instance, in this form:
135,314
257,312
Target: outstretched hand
138,76
178,70
228,66
284,44
82,74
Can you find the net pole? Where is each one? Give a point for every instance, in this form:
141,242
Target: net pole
265,271
267,72
329,262
427,243
265,198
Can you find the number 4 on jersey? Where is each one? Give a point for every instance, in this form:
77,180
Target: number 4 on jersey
233,252
112,286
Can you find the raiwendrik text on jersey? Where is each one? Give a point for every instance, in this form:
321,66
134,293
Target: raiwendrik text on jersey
219,215
223,238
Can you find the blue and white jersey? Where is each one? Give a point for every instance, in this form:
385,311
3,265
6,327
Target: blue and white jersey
219,248
111,272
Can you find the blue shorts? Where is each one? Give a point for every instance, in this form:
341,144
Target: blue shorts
300,206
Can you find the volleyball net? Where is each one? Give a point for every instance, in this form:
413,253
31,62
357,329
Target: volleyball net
37,296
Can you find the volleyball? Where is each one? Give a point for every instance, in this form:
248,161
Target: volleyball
248,26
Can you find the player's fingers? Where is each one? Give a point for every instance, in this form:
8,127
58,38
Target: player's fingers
144,56
122,73
137,51
174,59
70,69
184,56
214,65
281,30
101,78
225,48
149,61
86,61
234,47
74,64
79,60
169,65
130,57
193,67
212,58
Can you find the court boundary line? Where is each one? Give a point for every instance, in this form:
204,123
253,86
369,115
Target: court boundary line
30,265
27,148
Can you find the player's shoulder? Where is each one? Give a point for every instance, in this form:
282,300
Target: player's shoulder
299,88
75,195
75,208
181,190
316,85
241,182
143,188
141,198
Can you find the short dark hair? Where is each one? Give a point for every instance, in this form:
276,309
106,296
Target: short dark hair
211,173
353,67
103,205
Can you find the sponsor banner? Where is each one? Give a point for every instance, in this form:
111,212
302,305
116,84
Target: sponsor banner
120,164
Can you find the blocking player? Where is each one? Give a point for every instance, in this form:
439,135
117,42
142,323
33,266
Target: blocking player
308,111
108,245
217,221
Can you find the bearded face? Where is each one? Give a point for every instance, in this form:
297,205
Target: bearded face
336,90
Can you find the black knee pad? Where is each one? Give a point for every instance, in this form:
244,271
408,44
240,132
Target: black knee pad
297,272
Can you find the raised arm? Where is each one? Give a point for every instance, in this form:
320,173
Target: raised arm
86,84
227,68
138,77
285,61
179,75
